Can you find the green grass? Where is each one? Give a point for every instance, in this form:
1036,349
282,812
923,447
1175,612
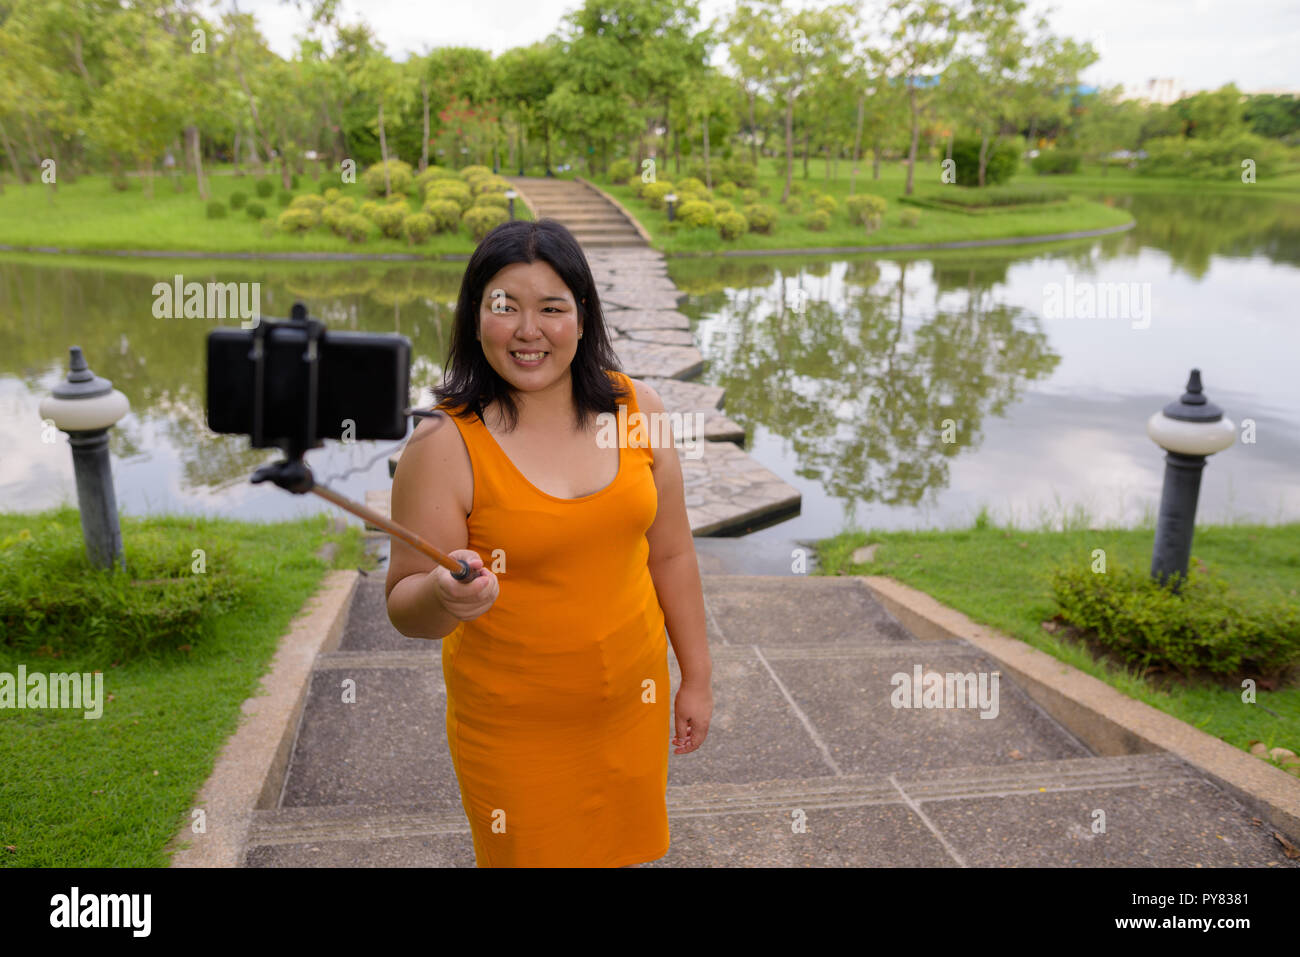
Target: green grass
1091,178
89,214
114,791
998,577
935,225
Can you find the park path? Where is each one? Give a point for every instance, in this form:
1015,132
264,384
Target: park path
807,762
594,220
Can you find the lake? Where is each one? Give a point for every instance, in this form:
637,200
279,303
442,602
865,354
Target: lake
894,391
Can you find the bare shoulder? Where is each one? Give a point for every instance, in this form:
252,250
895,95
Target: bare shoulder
647,399
436,453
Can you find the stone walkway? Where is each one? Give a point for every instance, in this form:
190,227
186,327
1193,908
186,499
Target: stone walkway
727,491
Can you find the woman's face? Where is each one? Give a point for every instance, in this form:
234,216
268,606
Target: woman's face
527,309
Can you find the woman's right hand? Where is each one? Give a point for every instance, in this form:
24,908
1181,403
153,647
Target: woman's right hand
465,600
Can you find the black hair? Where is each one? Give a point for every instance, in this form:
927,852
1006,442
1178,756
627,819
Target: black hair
470,382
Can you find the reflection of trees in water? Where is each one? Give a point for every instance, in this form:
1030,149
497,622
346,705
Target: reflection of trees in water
160,364
861,392
1194,227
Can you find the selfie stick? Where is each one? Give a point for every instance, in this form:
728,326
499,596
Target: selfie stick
293,474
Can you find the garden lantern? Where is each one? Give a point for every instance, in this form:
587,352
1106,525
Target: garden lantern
510,198
671,200
86,406
1189,430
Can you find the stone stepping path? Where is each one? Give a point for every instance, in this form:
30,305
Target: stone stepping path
727,491
803,730
594,220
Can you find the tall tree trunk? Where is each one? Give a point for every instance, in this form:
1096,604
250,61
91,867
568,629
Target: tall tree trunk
875,160
677,153
805,156
857,143
257,123
789,144
383,152
950,136
424,143
708,174
238,166
196,159
19,170
827,150
916,136
753,130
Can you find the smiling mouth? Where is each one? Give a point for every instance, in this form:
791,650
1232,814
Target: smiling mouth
529,356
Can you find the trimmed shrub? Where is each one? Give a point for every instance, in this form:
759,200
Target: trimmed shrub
284,197
1056,161
741,172
697,213
794,205
333,216
121,183
761,218
721,206
389,218
293,181
654,193
400,177
445,214
308,201
796,188
297,220
333,194
481,220
216,209
727,189
732,225
237,200
356,227
492,199
621,170
1218,158
866,209
910,217
826,203
345,203
818,221
473,172
256,211
451,189
1000,165
432,173
691,184
749,195
264,188
417,227
489,184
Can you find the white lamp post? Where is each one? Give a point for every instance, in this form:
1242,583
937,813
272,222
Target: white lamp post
86,407
510,197
671,200
1189,431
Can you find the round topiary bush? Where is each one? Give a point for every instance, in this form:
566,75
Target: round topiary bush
332,194
400,177
481,220
216,209
761,218
721,206
697,213
284,197
489,184
732,225
308,201
432,173
451,189
621,170
794,205
749,195
473,172
256,211
417,227
293,181
237,200
492,199
910,218
654,193
727,189
866,209
826,203
332,216
345,203
356,227
389,217
999,166
264,188
692,184
297,220
445,214
818,221
741,172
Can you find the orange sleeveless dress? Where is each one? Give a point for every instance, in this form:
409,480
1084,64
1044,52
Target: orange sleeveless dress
558,717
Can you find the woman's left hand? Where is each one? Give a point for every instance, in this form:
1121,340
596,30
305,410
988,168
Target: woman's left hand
692,713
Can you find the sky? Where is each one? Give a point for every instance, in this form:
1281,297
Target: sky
1201,44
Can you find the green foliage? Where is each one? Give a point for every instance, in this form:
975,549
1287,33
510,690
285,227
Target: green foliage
697,213
621,170
740,172
1204,625
761,218
481,220
332,195
749,195
284,197
293,181
910,218
345,203
389,218
356,227
1056,161
1001,196
216,209
264,188
1211,158
471,173
727,189
1000,165
452,189
308,201
417,227
866,209
723,206
654,193
237,200
489,184
256,211
732,225
492,198
53,602
825,203
445,214
691,184
400,177
332,216
794,205
297,220
818,221
121,183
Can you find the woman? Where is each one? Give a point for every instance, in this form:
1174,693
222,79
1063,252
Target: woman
555,656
